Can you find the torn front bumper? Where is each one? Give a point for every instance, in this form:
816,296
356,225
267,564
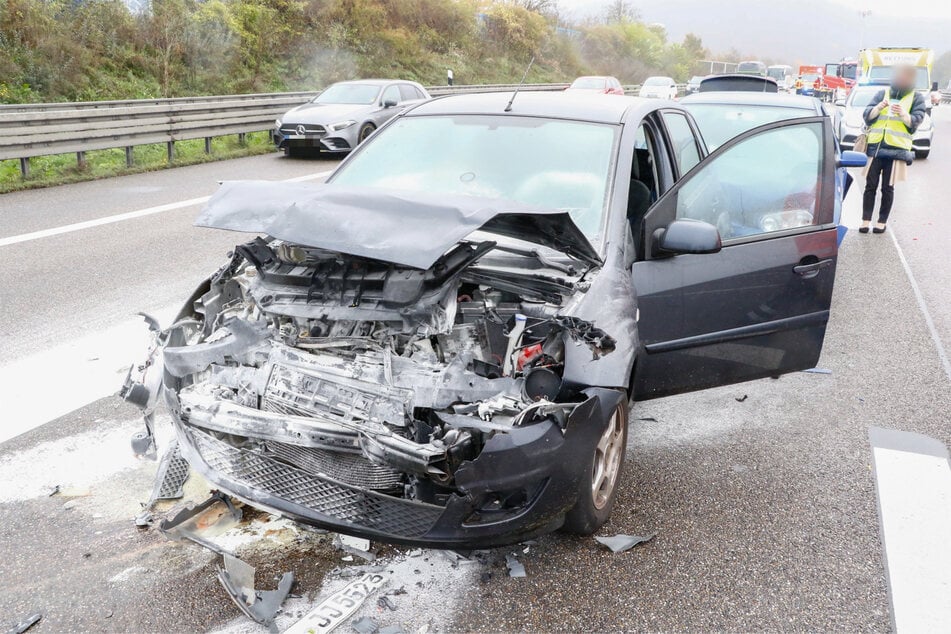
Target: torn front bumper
541,458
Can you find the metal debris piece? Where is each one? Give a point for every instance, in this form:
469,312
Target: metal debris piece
25,624
170,477
621,543
260,606
339,606
199,522
818,371
365,625
386,603
355,546
740,399
516,568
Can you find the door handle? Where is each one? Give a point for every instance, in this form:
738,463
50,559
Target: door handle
811,269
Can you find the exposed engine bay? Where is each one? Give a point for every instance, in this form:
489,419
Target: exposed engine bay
382,377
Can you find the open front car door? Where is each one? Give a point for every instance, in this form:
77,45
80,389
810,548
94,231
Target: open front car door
737,262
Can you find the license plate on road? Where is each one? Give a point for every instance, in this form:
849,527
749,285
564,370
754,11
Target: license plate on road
339,606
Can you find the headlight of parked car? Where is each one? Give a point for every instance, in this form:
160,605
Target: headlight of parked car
277,123
925,124
785,220
854,120
336,127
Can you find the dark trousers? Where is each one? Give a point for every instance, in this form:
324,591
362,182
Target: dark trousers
879,169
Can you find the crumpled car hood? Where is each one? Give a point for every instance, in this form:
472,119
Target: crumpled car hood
407,228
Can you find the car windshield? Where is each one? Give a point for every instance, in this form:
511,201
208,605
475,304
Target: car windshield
778,74
883,74
555,164
589,83
658,81
363,94
721,122
862,98
809,79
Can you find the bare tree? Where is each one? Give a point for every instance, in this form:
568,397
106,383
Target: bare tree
544,7
621,11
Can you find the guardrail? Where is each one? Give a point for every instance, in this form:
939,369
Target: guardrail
29,130
946,96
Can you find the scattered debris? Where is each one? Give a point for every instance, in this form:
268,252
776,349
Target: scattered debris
396,628
199,522
260,606
516,568
818,371
740,468
355,571
53,491
25,624
740,399
365,625
649,419
386,603
339,606
621,543
416,552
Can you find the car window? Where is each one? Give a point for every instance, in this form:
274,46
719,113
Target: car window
349,94
408,92
391,94
720,122
644,168
682,140
769,182
519,159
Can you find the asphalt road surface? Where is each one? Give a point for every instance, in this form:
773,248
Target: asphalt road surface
761,495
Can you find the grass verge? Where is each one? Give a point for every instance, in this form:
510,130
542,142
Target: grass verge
59,169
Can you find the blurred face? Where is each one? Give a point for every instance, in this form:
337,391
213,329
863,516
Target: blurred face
904,77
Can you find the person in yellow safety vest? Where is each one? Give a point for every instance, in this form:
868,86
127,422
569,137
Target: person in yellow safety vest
892,117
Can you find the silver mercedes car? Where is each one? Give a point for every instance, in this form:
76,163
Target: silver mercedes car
345,114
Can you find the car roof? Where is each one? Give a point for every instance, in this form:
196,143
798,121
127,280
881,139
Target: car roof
376,81
550,104
741,98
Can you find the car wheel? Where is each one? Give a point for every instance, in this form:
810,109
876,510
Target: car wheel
365,131
922,155
599,484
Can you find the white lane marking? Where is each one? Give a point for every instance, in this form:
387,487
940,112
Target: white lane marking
130,215
44,386
914,500
942,354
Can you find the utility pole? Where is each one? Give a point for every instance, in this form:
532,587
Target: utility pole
865,13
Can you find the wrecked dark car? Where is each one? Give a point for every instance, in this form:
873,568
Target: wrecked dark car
439,346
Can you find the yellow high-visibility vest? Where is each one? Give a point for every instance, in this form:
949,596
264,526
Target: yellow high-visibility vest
892,129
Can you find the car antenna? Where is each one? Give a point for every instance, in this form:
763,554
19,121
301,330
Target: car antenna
508,107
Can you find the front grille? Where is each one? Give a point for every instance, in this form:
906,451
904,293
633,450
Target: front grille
309,129
353,469
354,506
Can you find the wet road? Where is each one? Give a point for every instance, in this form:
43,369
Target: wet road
761,494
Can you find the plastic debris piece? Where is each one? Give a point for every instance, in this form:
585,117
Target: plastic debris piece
199,522
516,568
621,543
818,371
365,625
260,606
354,546
25,624
338,607
740,399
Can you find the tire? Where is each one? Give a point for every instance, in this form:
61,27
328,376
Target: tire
922,155
595,503
365,130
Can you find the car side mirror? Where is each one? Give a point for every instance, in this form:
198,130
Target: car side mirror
850,158
687,236
389,103
840,103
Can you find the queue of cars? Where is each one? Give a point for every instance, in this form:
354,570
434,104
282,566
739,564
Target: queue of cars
440,345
